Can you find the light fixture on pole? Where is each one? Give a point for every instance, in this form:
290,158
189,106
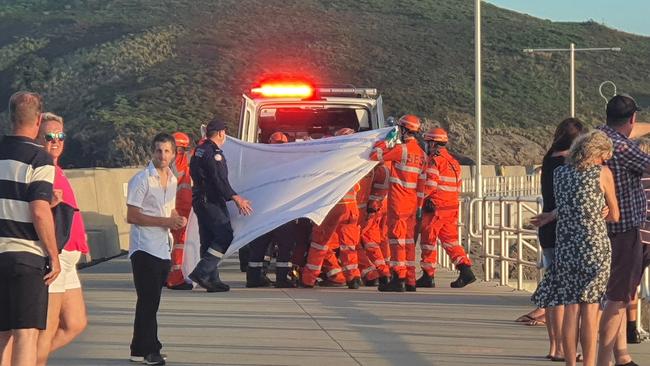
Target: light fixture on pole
572,51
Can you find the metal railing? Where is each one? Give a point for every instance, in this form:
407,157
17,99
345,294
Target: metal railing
511,186
497,228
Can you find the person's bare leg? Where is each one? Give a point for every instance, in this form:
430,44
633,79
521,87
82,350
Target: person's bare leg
570,333
45,336
6,341
24,347
557,319
621,354
73,319
551,334
589,332
610,325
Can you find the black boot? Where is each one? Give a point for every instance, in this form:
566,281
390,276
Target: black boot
633,336
425,281
217,285
370,283
396,284
244,254
382,283
410,288
465,277
354,284
282,279
255,278
206,275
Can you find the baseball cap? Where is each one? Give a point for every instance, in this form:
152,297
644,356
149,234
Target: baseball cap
621,106
215,125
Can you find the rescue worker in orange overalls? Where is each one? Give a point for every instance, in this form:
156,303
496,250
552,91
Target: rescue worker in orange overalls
406,180
181,168
367,269
284,237
373,231
440,212
340,229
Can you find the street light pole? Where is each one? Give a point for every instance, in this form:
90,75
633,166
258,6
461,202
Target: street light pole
478,184
572,51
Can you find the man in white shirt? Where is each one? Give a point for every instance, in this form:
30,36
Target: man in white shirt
151,201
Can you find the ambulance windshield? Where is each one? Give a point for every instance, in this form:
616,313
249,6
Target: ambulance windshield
311,122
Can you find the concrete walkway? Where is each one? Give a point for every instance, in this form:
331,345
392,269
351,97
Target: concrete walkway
440,326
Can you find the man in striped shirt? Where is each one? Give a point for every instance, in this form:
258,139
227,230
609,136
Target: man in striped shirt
26,232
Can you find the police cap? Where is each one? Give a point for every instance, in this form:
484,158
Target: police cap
215,125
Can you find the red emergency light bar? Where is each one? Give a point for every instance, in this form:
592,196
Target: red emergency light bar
286,90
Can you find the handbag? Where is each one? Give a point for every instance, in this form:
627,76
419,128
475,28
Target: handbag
63,214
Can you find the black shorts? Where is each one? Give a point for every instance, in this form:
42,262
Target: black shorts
627,265
23,293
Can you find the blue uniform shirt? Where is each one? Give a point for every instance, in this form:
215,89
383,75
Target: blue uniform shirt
209,172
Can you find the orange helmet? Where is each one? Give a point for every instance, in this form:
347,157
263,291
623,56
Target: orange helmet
182,140
409,121
437,135
278,138
344,131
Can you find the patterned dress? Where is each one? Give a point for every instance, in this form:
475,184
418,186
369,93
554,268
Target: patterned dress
580,271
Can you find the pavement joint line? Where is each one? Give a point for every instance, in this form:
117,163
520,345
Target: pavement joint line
321,327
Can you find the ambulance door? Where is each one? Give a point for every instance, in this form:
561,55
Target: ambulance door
248,120
379,120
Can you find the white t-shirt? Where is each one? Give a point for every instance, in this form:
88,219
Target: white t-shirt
146,192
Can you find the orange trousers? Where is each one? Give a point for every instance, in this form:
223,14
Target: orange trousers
401,232
339,230
442,225
374,247
175,276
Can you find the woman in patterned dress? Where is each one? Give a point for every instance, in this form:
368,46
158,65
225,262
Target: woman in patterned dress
578,276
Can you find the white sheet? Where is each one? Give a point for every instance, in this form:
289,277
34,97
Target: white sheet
286,182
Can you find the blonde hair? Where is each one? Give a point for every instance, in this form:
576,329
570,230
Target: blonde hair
644,145
49,116
588,147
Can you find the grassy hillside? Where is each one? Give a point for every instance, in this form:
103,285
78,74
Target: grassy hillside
119,70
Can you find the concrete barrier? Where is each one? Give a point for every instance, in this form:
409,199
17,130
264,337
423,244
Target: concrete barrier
513,170
101,197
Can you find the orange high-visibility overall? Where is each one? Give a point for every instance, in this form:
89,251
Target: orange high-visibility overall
405,181
442,187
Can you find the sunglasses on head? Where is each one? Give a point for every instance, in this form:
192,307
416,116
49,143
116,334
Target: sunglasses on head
49,137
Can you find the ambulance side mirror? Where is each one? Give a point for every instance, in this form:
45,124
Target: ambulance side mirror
391,121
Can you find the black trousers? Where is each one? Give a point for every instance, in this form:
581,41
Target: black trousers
283,237
215,231
149,276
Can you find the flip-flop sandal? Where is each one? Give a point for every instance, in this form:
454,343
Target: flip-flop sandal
561,359
524,319
534,322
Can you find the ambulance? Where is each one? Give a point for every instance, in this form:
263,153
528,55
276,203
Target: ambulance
303,111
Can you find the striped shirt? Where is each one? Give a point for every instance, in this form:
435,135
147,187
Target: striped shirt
26,175
628,165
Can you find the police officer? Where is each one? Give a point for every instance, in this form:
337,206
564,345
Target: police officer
210,193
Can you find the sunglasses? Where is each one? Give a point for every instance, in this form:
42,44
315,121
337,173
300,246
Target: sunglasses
49,137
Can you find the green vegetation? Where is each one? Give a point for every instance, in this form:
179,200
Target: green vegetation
120,70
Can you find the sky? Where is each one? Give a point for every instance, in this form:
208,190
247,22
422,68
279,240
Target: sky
627,15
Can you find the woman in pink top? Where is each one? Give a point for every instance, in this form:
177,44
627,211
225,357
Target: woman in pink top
66,311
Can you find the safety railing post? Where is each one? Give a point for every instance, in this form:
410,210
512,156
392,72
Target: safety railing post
520,248
486,242
503,244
